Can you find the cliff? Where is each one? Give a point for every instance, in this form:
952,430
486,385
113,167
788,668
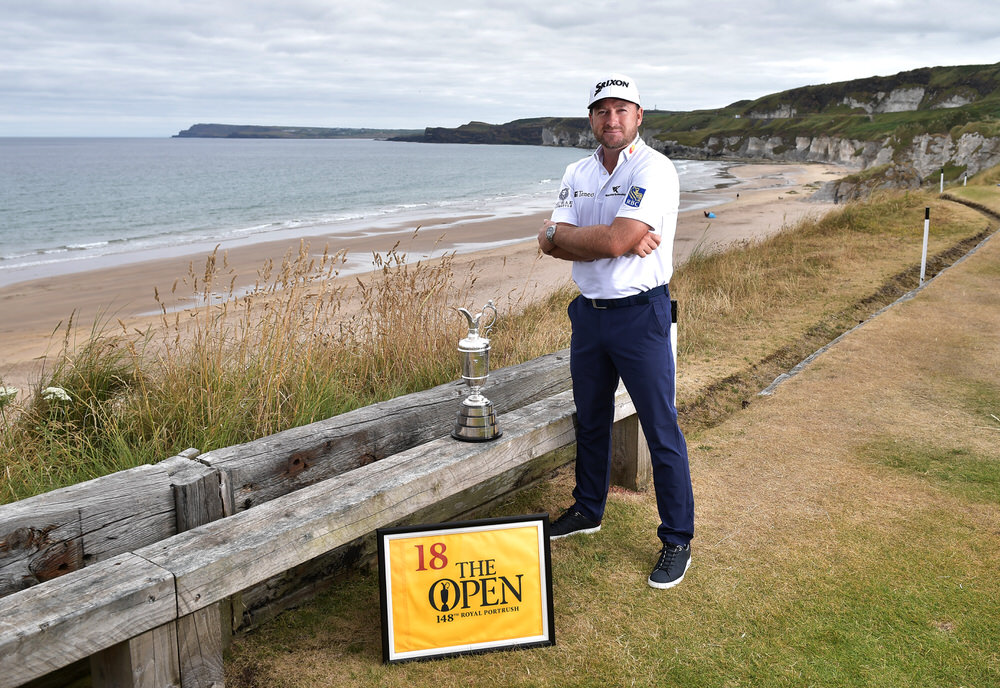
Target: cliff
926,119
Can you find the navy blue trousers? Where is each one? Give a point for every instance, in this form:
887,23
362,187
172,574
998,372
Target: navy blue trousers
631,344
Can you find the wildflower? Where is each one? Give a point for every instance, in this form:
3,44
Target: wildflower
7,395
55,394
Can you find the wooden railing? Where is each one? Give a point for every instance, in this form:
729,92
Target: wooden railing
145,573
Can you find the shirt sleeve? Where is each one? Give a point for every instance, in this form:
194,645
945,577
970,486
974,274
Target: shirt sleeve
565,210
653,196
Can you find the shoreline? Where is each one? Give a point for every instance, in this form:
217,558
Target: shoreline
763,199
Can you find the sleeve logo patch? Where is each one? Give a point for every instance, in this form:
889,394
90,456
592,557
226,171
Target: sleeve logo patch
634,197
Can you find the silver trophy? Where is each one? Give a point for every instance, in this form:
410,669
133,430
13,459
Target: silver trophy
477,421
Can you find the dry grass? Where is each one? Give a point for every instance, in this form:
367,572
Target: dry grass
750,314
301,345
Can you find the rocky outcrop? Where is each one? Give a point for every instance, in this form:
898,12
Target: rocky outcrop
972,151
897,100
907,163
575,138
859,186
782,112
861,124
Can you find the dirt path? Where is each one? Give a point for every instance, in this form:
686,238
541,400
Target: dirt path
861,443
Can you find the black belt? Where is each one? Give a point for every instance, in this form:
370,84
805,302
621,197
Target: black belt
634,300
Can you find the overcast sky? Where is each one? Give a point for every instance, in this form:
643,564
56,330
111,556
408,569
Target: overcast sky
154,67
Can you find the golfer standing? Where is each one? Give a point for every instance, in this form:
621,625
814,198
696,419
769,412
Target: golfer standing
615,219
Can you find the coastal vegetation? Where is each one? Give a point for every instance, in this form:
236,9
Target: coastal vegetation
303,345
784,591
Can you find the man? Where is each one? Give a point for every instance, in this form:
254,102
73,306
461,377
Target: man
615,219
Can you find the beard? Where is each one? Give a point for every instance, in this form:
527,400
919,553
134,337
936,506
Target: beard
616,139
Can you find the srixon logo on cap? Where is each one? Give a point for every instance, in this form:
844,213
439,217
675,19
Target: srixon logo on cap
610,82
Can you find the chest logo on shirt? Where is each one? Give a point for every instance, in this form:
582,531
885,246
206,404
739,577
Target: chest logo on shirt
635,195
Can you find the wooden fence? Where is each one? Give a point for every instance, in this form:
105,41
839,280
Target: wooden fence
143,575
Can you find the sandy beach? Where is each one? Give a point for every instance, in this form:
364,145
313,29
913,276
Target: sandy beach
765,198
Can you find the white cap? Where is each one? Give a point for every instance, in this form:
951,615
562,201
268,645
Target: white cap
614,86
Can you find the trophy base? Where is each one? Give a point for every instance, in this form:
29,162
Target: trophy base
476,422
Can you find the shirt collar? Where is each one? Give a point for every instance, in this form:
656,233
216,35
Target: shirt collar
625,154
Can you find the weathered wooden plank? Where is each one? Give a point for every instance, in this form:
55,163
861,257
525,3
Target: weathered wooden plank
296,586
200,636
147,661
258,471
221,558
127,510
58,622
63,530
439,480
38,542
509,387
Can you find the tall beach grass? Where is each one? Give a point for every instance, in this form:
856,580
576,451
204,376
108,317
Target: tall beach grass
303,344
306,343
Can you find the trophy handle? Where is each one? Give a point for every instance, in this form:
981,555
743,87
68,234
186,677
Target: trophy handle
474,319
488,307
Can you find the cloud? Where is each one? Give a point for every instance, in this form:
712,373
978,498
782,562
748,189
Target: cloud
140,67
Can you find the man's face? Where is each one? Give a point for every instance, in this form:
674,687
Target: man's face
615,122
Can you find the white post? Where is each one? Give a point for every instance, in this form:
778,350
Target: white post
923,259
673,343
942,181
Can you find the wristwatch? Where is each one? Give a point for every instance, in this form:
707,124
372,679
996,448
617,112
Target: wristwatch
550,234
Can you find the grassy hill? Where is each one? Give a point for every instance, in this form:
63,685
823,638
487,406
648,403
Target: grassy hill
862,122
944,99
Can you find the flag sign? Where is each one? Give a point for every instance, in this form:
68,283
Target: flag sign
457,588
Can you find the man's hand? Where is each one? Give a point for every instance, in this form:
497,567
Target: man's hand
647,244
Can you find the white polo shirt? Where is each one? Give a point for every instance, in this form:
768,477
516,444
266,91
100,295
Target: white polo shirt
644,186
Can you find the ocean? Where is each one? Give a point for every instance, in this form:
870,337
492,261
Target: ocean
66,204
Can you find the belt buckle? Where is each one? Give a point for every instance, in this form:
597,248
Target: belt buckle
593,302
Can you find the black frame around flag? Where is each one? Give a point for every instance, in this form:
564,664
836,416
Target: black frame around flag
435,604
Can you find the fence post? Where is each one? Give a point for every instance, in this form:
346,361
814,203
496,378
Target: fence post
200,636
149,659
923,256
631,466
188,652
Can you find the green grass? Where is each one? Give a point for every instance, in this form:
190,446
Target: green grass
957,469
